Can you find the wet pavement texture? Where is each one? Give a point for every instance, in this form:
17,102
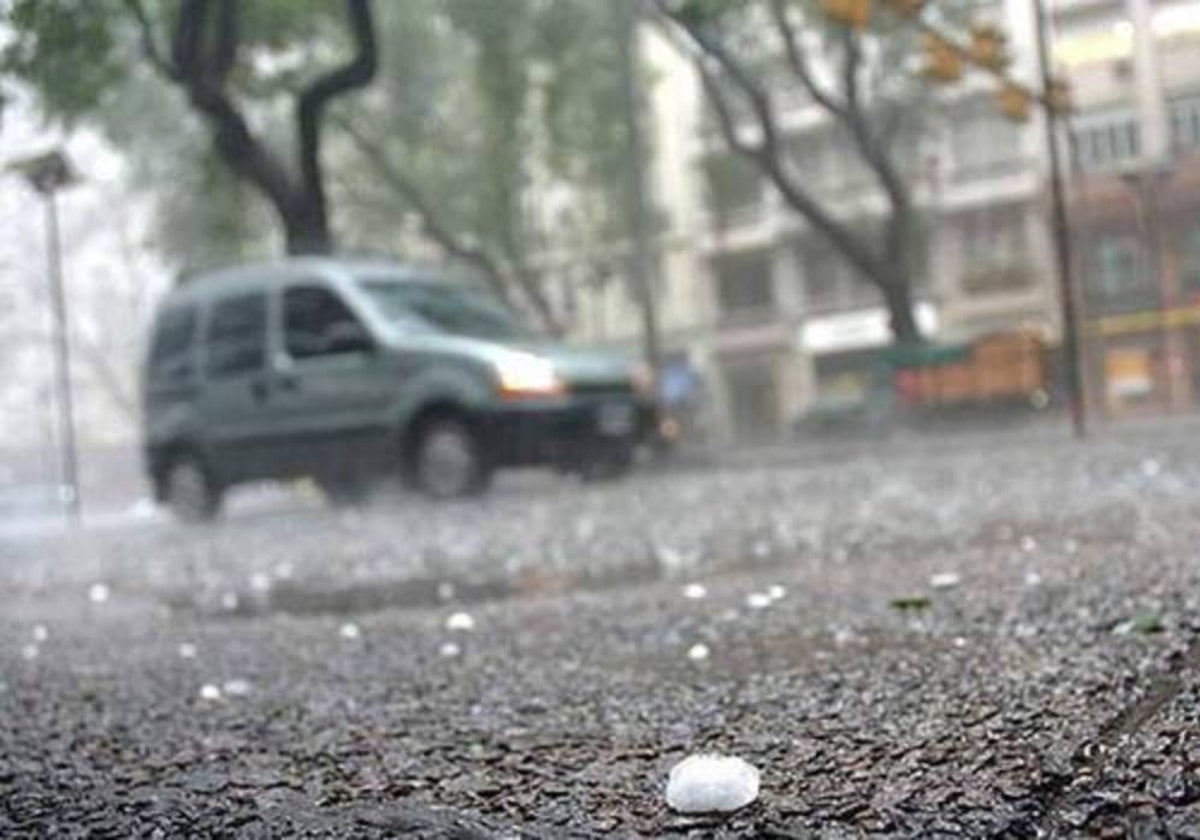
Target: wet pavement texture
991,640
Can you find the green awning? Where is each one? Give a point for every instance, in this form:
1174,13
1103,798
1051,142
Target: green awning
923,355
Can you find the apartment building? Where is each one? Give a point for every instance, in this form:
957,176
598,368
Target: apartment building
1135,199
776,320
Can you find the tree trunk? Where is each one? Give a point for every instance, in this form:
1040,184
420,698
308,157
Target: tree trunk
897,296
306,230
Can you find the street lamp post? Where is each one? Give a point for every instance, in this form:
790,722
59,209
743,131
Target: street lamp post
47,174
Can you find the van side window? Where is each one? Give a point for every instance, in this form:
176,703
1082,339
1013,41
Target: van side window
171,348
311,315
237,335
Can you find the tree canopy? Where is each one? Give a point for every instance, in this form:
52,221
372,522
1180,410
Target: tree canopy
239,123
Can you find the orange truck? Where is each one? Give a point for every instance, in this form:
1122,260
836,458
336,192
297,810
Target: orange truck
1009,367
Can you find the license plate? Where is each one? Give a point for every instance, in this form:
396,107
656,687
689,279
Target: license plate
615,419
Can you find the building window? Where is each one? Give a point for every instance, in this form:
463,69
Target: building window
982,142
1116,272
1106,145
994,251
814,156
1189,260
830,281
1185,123
744,283
735,190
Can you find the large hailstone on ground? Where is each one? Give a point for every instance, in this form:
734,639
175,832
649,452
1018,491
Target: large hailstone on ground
703,784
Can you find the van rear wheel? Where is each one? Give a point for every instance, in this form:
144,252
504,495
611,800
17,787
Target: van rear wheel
448,460
191,493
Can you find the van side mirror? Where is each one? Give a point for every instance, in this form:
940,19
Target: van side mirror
347,337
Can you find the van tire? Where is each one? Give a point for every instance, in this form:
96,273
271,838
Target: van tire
190,490
447,460
342,493
608,465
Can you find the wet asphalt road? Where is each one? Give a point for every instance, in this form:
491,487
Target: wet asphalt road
996,639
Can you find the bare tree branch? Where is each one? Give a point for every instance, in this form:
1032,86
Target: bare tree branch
185,47
851,62
150,46
233,138
798,61
225,50
355,74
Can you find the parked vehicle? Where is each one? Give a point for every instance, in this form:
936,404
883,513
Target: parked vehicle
348,370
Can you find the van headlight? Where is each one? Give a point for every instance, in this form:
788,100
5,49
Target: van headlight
527,375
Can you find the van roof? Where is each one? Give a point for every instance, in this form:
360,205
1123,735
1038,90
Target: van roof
267,274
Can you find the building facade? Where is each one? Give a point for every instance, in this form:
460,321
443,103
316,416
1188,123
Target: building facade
1135,199
774,318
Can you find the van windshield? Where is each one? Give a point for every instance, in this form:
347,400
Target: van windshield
443,307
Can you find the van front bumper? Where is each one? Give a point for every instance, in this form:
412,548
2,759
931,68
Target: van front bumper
565,433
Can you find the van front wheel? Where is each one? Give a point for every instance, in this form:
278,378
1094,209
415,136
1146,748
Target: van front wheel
191,493
448,460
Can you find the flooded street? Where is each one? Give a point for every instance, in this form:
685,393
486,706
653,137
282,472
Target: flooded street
995,639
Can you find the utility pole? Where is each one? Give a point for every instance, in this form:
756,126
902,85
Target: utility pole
628,14
1062,234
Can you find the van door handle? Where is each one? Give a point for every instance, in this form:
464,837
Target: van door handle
258,390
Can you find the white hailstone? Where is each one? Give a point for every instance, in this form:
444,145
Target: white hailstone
702,784
1033,578
40,633
843,636
260,582
29,652
282,570
761,548
1151,467
698,652
229,601
236,688
187,650
349,630
729,616
694,591
449,650
585,528
960,642
1028,544
210,692
945,580
98,593
445,591
776,592
1071,546
758,600
668,557
460,621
